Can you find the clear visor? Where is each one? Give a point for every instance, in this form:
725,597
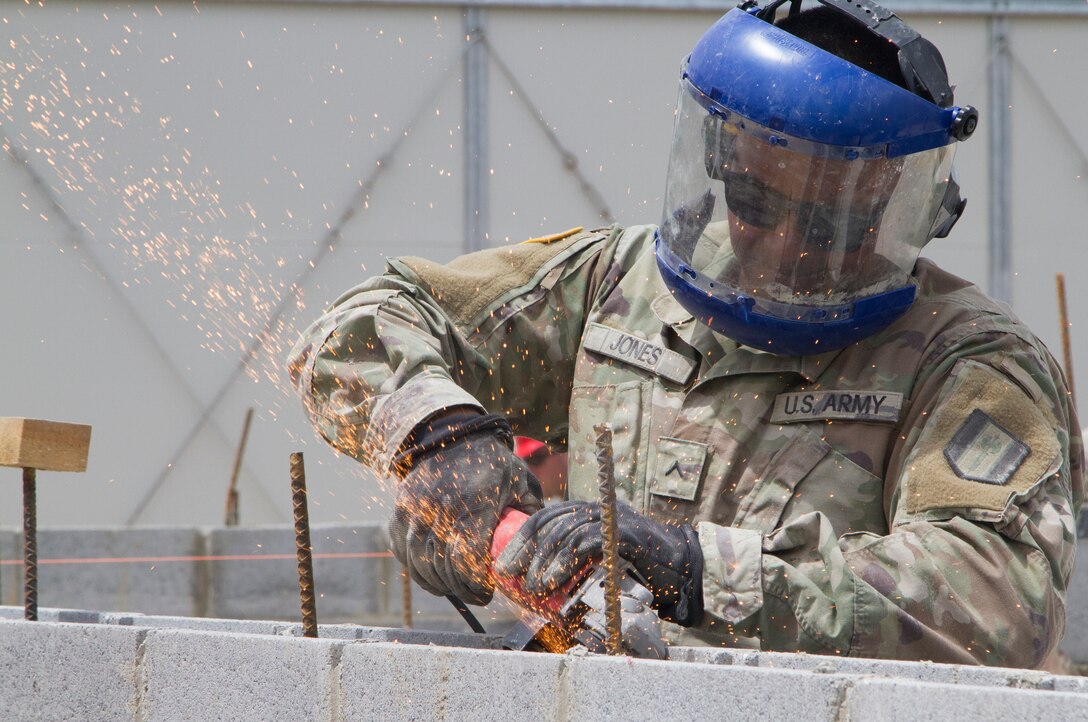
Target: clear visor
801,228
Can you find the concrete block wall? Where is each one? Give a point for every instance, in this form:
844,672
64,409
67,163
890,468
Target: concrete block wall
219,572
142,668
225,578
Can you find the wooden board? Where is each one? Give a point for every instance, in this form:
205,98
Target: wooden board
45,445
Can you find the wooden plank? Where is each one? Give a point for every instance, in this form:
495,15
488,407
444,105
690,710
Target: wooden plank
45,445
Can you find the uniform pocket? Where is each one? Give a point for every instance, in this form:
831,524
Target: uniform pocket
623,406
806,474
849,496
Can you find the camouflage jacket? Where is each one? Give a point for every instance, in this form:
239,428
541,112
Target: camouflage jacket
911,496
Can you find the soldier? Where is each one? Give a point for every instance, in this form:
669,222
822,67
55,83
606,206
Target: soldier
825,443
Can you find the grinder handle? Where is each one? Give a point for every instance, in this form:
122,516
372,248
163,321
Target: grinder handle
509,523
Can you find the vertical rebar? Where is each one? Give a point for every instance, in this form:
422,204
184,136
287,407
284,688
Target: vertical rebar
406,596
302,546
606,479
231,518
30,545
1067,348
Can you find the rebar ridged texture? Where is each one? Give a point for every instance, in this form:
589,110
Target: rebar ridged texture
302,547
1067,347
30,545
406,596
606,480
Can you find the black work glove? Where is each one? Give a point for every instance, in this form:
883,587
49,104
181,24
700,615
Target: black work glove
554,544
458,473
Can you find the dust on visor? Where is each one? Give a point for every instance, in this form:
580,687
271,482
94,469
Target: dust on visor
800,191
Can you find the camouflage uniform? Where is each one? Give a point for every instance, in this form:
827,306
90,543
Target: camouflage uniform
911,496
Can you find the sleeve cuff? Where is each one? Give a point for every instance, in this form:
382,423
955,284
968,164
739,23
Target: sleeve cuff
732,571
406,407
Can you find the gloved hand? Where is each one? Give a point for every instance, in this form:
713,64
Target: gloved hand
557,542
458,474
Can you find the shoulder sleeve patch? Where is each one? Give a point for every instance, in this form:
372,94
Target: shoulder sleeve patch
470,284
985,442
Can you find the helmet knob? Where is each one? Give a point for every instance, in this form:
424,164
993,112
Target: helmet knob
965,123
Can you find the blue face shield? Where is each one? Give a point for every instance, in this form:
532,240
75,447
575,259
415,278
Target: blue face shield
793,226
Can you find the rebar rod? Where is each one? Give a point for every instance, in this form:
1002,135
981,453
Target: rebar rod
606,479
30,545
232,513
303,550
406,597
1067,348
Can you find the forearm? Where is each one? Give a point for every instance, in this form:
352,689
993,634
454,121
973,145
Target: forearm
497,331
951,591
375,366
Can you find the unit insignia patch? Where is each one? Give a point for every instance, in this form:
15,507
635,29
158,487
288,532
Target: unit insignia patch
983,450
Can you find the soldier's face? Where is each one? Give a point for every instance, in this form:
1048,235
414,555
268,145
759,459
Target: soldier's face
798,215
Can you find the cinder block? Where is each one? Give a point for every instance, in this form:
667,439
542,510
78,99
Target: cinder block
404,682
880,700
203,624
622,688
1077,685
1000,677
919,671
121,570
1075,643
214,676
67,672
76,616
11,559
46,614
348,589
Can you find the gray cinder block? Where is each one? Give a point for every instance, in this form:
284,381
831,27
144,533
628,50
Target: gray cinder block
880,700
918,671
142,576
11,554
69,672
622,688
203,675
406,682
348,589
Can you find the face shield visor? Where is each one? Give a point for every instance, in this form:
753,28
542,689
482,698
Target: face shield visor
790,245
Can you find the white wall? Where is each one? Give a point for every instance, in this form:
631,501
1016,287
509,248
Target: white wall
204,151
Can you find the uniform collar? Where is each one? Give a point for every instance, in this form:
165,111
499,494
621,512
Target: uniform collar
721,356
